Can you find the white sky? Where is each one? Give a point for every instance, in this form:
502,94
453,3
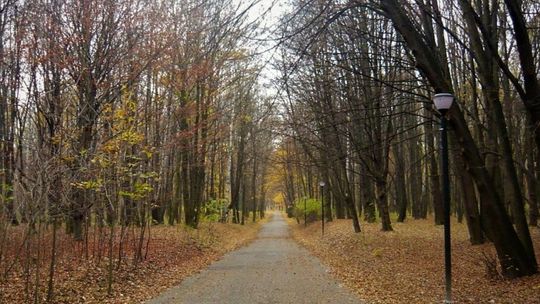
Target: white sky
268,13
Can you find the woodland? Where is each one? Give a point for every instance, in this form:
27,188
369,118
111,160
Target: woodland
131,127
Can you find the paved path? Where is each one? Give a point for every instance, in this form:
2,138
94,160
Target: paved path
272,269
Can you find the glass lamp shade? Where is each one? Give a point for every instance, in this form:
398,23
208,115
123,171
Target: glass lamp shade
443,101
322,184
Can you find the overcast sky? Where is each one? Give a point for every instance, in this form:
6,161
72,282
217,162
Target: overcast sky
268,13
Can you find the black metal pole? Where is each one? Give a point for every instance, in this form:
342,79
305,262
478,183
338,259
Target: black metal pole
322,209
305,212
446,204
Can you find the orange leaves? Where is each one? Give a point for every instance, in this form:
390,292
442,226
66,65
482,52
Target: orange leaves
406,266
174,253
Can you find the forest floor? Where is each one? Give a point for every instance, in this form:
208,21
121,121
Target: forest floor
174,253
407,266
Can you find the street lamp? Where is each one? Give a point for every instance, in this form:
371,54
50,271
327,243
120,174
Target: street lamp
443,102
321,185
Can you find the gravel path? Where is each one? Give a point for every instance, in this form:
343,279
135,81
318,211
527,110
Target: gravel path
272,269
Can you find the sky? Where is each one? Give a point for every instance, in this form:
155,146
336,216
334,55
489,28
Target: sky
268,13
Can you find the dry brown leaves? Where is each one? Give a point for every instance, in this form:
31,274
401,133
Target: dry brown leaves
407,266
173,254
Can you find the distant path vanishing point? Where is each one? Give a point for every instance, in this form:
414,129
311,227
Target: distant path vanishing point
272,269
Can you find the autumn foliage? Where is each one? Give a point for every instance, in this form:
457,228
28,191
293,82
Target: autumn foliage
407,266
170,255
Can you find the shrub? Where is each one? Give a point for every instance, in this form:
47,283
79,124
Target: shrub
212,210
313,209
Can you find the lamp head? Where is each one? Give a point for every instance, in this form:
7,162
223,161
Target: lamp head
443,102
322,183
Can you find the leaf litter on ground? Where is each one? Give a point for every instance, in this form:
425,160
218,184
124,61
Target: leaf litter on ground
174,253
407,265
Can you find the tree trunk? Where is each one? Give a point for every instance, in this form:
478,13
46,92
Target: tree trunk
368,198
472,214
382,203
401,187
532,187
513,255
435,183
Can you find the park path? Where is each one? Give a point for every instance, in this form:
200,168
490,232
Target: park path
272,269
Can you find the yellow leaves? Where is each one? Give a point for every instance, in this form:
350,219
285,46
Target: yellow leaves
140,190
107,110
237,54
125,114
4,198
247,118
89,185
118,157
83,153
377,252
152,175
68,158
131,137
280,153
148,151
123,124
56,139
101,160
111,147
278,198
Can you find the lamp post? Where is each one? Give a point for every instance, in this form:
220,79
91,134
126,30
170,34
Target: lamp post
443,102
321,185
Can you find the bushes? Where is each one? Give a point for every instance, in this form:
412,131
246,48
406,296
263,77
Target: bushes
313,209
213,210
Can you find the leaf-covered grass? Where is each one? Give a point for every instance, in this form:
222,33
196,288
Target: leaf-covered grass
407,266
173,254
